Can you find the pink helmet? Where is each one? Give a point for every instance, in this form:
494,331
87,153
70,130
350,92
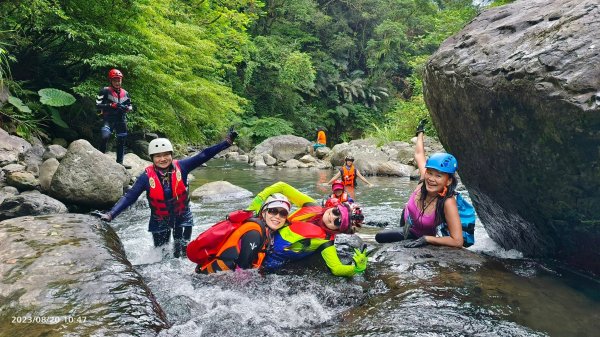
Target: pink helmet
337,185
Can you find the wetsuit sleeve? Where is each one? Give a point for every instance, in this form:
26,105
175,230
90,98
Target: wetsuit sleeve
191,163
296,197
336,266
250,245
141,184
101,101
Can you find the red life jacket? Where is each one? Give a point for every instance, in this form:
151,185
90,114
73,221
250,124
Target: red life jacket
348,175
112,96
305,213
156,195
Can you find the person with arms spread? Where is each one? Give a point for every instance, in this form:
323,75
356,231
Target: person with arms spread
166,185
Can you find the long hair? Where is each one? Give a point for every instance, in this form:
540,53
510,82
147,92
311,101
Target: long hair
439,204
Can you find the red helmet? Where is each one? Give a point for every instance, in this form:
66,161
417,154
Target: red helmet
115,73
337,185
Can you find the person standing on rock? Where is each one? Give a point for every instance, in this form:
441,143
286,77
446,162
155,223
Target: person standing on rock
348,173
114,102
431,203
166,186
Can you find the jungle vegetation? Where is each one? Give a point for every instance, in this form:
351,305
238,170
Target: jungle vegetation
195,67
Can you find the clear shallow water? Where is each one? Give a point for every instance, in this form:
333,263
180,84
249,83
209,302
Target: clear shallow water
494,293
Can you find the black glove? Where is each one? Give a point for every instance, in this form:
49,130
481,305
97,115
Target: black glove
420,242
421,126
231,135
122,107
103,216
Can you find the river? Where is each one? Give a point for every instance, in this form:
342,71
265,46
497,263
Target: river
485,291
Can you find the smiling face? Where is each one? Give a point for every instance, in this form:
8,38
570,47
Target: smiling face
162,160
116,82
338,192
435,181
275,218
331,219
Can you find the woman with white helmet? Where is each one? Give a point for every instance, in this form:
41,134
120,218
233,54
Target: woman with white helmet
166,186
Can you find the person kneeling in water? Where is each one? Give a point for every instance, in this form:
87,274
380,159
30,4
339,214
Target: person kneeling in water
312,229
431,203
246,246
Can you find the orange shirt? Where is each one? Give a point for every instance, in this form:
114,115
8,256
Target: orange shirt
321,138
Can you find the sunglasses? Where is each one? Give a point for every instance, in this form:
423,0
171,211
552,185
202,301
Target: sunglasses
338,220
274,211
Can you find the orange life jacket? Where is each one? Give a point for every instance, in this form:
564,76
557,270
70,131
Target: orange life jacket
341,198
233,242
348,176
159,206
305,213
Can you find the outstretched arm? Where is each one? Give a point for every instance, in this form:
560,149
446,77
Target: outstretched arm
190,163
420,148
296,197
141,184
336,176
336,266
358,174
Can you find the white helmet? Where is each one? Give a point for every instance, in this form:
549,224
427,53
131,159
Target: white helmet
159,145
277,200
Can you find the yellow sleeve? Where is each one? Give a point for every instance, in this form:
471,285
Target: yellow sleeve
336,266
296,197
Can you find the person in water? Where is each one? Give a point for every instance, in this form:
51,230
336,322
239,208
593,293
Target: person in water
339,195
431,203
166,185
311,230
348,173
245,248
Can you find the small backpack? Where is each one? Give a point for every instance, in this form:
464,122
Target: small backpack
206,246
467,220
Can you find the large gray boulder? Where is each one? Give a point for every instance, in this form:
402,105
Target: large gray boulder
30,203
283,148
516,97
71,269
219,191
47,170
11,147
86,176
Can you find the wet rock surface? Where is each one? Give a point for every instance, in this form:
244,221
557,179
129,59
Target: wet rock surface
67,274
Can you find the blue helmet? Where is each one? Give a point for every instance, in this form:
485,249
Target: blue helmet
443,162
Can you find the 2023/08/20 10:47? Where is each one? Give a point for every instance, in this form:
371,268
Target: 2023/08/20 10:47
48,319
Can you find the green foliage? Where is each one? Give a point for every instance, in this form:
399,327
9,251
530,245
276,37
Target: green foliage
259,129
17,103
55,97
402,121
498,3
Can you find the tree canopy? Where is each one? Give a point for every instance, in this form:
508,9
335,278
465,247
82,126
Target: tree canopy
194,67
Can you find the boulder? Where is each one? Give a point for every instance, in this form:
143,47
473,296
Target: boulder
22,180
283,148
7,191
219,191
86,176
30,203
392,168
47,170
54,151
33,156
515,96
11,147
71,269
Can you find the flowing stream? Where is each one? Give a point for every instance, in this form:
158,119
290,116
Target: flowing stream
482,291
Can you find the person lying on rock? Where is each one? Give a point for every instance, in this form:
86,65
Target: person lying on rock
431,203
166,186
310,230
